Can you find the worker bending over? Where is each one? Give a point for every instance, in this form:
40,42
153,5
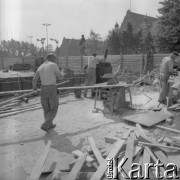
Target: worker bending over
166,70
48,73
91,73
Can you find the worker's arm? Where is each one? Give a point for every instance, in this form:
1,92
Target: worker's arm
59,75
171,70
34,81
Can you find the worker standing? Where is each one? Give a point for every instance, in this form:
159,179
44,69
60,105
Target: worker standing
48,73
166,70
91,73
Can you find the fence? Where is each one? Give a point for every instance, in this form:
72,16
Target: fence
135,62
75,62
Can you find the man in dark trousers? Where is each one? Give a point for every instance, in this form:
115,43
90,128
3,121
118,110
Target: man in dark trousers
166,70
91,73
48,73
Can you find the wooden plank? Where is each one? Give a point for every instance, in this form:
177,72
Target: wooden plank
159,146
78,153
20,111
36,171
168,129
25,95
112,138
103,166
137,150
129,153
153,157
141,135
127,133
146,160
95,150
120,84
162,157
77,167
174,106
147,119
174,158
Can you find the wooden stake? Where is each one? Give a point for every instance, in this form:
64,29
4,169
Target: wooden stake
95,150
36,172
77,167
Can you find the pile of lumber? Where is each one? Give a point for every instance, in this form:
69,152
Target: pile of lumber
93,163
148,78
175,107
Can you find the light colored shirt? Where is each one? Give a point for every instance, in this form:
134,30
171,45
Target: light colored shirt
92,61
48,73
166,66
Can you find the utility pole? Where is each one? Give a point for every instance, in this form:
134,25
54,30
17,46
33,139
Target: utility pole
47,24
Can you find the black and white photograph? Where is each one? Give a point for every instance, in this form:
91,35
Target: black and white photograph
89,89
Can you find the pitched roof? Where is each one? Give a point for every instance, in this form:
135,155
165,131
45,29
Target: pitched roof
137,21
69,47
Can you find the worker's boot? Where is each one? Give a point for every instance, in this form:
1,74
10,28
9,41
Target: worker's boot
52,126
44,127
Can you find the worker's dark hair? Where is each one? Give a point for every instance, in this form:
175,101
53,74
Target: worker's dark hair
175,53
94,54
51,57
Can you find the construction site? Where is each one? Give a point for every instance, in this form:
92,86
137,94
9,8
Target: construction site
115,128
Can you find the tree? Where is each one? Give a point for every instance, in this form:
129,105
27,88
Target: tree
148,43
94,43
169,26
15,48
138,42
128,39
113,42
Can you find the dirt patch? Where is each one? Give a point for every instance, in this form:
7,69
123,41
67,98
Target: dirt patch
22,141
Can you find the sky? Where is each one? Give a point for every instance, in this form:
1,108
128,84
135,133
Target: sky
20,19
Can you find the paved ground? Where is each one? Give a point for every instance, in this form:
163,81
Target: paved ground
22,141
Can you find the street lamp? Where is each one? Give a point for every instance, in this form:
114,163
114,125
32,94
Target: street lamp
30,37
42,41
56,41
46,24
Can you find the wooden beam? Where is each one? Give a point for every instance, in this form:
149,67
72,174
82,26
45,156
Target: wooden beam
25,95
19,111
162,157
36,171
146,160
95,150
129,153
77,167
103,166
168,129
158,146
153,157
